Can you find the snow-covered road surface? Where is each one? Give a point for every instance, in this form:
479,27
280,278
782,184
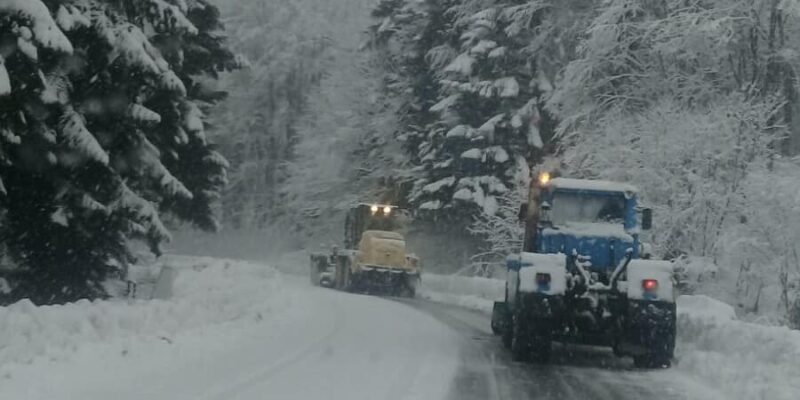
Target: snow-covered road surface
235,330
486,371
323,345
347,347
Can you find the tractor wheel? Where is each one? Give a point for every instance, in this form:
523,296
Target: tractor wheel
652,361
541,344
660,343
507,337
520,341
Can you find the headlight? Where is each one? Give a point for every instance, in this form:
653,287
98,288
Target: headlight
374,209
387,210
544,177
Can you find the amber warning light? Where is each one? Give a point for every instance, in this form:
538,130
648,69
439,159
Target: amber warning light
544,177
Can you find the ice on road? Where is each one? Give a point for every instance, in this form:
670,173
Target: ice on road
314,344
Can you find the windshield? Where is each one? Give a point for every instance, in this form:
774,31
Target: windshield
573,207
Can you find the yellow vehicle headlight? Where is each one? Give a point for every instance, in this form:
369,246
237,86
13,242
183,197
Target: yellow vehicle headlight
544,177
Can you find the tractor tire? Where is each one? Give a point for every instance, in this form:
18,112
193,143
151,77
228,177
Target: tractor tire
652,361
520,341
496,329
507,338
541,344
658,338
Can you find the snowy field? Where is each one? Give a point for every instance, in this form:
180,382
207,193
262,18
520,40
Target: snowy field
747,361
231,330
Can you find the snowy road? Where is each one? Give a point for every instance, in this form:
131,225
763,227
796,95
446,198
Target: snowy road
323,345
276,337
486,371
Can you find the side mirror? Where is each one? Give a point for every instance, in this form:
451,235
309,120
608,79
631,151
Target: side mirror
647,218
523,212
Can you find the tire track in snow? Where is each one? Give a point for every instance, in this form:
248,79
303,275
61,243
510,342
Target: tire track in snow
234,389
575,372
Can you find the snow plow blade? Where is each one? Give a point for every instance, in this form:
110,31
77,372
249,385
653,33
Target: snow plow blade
385,281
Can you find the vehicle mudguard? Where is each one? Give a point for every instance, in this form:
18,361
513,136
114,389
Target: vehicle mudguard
650,327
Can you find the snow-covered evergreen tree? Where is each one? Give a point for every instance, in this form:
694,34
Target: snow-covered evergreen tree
474,76
102,121
503,231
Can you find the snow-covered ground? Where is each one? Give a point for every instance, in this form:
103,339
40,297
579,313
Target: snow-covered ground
741,359
231,330
239,330
747,360
470,292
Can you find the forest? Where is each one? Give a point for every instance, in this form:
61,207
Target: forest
123,121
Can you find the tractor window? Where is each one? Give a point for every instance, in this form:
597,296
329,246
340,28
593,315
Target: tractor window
574,207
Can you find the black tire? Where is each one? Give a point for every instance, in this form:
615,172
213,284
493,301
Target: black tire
541,348
652,361
520,341
495,329
660,342
507,337
507,334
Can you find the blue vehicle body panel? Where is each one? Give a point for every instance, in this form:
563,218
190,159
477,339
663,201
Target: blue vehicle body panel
605,251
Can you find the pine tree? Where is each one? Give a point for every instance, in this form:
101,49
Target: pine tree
103,129
475,86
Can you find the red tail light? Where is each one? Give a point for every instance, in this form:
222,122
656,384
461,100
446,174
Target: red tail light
542,278
650,285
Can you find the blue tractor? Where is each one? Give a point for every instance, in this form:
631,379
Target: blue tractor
584,276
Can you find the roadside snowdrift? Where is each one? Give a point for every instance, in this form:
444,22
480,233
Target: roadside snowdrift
749,361
470,292
201,297
744,360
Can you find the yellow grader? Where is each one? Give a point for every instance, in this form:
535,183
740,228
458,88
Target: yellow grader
374,259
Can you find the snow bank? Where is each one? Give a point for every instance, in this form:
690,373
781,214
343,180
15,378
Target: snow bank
202,295
746,360
474,293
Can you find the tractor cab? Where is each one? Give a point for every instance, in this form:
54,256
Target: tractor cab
596,220
369,217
